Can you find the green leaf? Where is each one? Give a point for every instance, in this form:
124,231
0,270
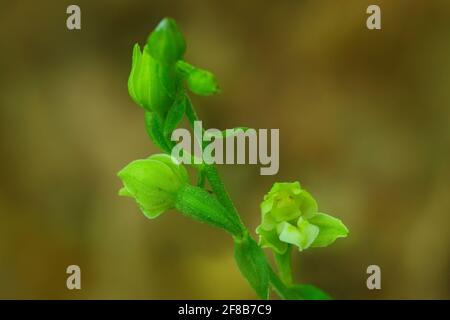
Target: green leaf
308,292
174,116
330,229
200,205
253,265
154,130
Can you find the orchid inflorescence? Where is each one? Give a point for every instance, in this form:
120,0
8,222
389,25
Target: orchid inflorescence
290,218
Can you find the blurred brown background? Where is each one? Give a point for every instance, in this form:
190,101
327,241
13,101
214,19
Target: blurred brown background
364,120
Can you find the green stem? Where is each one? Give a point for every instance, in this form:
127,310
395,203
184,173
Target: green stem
279,287
283,262
211,170
212,174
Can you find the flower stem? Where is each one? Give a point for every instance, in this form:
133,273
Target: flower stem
283,262
279,287
212,175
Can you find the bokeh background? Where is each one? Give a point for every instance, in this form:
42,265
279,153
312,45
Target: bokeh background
364,119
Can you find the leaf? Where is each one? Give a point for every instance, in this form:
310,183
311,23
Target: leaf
200,205
174,116
154,130
308,292
330,229
253,265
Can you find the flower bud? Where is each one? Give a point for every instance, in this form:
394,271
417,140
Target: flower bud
202,82
166,43
290,217
151,84
199,81
154,183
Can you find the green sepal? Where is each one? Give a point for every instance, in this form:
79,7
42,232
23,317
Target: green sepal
330,227
166,43
253,265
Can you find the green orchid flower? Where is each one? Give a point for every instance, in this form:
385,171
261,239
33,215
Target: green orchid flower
160,183
290,217
154,183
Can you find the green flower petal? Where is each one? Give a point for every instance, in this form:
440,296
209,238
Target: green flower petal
285,211
309,232
269,239
125,193
308,205
266,206
175,165
268,222
290,234
330,229
301,235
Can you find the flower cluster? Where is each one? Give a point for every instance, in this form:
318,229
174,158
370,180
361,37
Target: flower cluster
158,81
